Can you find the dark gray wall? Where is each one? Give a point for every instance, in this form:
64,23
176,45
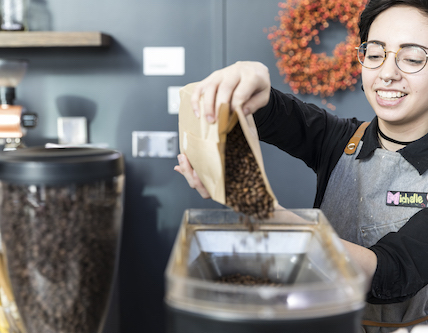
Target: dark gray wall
109,88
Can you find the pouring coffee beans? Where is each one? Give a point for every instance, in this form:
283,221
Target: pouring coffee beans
246,191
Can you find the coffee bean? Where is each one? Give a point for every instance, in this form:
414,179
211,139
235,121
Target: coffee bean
247,280
61,245
245,187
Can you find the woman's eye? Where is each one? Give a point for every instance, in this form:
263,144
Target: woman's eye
374,57
414,62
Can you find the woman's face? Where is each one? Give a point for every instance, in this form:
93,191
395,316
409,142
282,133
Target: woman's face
408,109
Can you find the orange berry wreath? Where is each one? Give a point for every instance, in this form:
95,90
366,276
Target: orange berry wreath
316,73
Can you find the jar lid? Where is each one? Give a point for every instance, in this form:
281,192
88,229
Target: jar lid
40,165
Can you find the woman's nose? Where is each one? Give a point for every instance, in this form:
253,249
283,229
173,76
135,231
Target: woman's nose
389,69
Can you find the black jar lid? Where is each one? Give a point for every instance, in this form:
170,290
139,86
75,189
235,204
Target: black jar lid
40,165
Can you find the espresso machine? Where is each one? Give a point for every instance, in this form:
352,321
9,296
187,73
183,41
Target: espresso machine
14,119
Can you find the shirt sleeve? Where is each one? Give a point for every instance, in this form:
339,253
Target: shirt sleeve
303,130
402,268
293,126
307,132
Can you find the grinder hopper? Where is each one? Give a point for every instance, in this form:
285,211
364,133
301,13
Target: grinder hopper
11,73
313,285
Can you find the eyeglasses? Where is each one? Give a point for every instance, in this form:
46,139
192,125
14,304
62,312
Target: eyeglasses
409,59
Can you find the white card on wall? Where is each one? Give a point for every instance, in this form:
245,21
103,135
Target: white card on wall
163,61
174,99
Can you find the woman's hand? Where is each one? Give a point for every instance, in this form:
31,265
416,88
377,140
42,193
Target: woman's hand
192,178
243,84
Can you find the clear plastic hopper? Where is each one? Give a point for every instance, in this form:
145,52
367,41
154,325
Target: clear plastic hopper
12,71
311,278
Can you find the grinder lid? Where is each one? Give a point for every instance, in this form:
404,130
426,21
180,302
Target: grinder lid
40,165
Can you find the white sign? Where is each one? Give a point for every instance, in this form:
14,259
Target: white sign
174,99
163,61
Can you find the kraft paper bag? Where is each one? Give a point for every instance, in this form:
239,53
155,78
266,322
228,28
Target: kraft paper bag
204,144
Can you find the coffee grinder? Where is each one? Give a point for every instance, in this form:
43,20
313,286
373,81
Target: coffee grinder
298,277
14,120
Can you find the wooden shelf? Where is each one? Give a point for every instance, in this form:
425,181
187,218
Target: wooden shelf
52,39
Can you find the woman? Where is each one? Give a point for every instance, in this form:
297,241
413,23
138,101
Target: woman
381,186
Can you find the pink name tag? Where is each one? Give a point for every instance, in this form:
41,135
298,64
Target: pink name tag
407,199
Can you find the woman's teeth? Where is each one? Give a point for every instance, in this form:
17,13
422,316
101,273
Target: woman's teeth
390,94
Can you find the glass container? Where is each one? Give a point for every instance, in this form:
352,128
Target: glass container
60,222
13,15
290,273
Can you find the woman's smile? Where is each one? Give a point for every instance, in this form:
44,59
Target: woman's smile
390,95
389,98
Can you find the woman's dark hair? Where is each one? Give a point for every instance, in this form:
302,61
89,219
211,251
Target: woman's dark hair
375,7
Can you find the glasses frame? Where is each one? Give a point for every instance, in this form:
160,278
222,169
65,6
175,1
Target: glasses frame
396,60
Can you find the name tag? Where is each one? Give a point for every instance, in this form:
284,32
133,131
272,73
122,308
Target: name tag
406,199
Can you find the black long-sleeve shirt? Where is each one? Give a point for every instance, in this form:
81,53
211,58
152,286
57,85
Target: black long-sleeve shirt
318,138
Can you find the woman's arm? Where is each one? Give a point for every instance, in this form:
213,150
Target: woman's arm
366,258
402,268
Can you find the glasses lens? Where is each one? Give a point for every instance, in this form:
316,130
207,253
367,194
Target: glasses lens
411,59
371,55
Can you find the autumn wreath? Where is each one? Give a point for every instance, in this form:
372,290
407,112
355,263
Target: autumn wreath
316,73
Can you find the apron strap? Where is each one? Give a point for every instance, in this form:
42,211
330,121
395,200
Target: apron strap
406,324
353,142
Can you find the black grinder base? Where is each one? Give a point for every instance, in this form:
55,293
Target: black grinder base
179,321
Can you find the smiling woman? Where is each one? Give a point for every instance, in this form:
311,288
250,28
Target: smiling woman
368,195
392,56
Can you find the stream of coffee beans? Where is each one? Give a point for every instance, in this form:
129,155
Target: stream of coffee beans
245,188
